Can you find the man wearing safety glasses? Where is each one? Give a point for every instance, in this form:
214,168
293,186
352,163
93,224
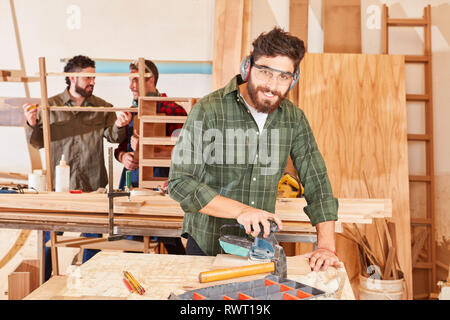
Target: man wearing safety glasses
235,145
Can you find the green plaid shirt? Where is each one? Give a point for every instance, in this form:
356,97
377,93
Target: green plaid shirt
221,152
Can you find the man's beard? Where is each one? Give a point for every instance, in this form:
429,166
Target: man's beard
84,92
264,106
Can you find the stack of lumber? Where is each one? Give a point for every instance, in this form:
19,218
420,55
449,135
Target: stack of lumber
384,266
161,211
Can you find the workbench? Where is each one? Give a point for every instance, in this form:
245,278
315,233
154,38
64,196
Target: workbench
101,277
156,215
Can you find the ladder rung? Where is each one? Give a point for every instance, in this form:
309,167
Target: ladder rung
417,59
156,162
419,178
423,265
421,221
406,22
418,137
164,141
417,97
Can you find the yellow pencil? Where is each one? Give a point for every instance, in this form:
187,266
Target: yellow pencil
133,281
137,284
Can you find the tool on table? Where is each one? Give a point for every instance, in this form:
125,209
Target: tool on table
111,195
261,249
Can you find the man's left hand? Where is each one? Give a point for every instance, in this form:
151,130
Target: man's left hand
321,259
123,118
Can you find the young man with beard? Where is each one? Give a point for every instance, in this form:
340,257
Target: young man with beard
234,148
78,135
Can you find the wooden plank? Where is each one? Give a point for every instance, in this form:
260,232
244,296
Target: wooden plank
341,21
340,96
156,163
23,79
95,74
18,285
163,119
393,234
390,264
406,22
290,209
54,250
166,141
92,109
228,34
15,248
46,124
298,26
429,125
19,47
101,244
246,45
24,279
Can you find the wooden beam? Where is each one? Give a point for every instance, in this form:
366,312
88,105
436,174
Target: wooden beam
228,39
92,109
96,74
45,113
20,49
298,26
54,250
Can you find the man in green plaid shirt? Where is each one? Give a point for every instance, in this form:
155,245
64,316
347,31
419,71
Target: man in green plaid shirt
234,147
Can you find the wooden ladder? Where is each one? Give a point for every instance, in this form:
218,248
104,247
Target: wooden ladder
427,138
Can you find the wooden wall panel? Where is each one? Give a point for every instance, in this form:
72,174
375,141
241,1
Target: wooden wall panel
341,22
356,108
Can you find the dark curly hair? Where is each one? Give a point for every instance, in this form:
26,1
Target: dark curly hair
278,42
76,64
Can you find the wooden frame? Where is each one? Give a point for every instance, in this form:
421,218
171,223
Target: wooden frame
45,110
155,147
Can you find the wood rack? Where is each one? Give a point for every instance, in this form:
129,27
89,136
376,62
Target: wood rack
155,148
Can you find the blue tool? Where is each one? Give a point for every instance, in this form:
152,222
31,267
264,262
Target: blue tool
261,249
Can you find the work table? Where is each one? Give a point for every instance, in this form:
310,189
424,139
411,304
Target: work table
161,275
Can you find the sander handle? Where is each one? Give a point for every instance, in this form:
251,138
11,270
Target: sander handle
235,272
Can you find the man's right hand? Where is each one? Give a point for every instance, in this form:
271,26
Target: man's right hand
252,217
129,162
30,112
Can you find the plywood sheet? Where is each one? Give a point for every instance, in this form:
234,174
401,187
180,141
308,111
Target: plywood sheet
341,21
356,107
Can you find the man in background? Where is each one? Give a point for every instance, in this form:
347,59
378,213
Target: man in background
78,135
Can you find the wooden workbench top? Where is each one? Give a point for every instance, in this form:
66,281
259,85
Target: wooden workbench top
161,274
